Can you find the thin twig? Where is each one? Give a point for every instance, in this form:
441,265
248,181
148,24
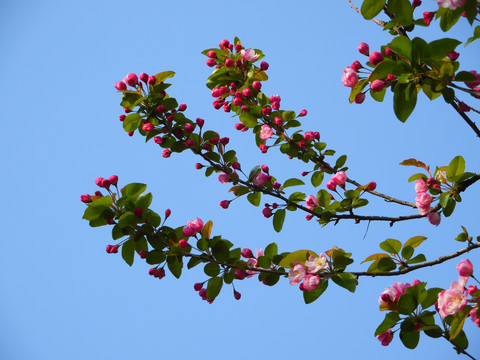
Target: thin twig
378,22
466,118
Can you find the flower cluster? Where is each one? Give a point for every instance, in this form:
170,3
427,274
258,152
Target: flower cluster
424,199
337,180
454,299
193,227
308,273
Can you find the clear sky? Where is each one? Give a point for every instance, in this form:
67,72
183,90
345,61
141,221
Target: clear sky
63,297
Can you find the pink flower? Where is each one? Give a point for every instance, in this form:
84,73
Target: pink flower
350,77
260,178
474,84
314,264
386,338
363,48
131,79
451,301
310,282
247,253
473,314
166,153
331,185
309,136
257,85
192,227
375,58
420,186
393,293
85,198
434,218
296,274
249,55
264,65
120,85
266,132
428,16
465,268
303,113
450,4
224,178
338,179
311,202
274,98
423,201
377,85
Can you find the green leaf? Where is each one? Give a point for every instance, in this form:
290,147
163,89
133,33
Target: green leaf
345,280
406,304
221,251
317,178
296,197
371,8
404,100
213,287
248,119
378,95
311,296
410,339
133,189
431,298
476,35
299,256
407,252
174,265
278,219
132,122
117,232
323,198
144,201
271,250
292,182
440,48
403,11
127,219
390,320
402,46
128,251
162,76
420,50
375,257
382,265
465,76
450,18
456,167
391,246
414,241
458,321
156,257
212,269
383,69
254,198
417,259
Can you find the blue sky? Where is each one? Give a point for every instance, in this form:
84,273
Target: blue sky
64,297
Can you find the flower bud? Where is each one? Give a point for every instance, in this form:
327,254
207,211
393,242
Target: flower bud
122,117
120,86
257,85
225,204
375,58
86,198
377,85
388,52
131,79
144,77
229,63
212,54
211,62
363,48
152,80
237,295
183,244
359,98
240,274
465,268
264,65
247,253
303,113
182,107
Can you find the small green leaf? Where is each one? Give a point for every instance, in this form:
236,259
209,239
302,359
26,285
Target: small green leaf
371,8
440,48
407,252
382,265
127,219
390,320
174,265
254,198
133,189
155,257
404,100
213,287
221,251
271,250
278,219
299,256
128,251
391,246
406,304
346,280
317,178
410,339
211,269
311,296
458,321
292,182
456,167
417,259
162,76
414,241
465,76
248,119
431,298
402,46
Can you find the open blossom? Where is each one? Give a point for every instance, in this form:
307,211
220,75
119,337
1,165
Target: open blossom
260,178
420,186
310,282
193,227
349,77
224,178
393,293
311,202
465,268
296,274
337,180
386,337
314,264
249,55
252,262
434,218
451,4
266,132
423,201
453,300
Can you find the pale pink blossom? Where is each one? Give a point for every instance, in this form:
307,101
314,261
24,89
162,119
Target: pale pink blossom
266,132
315,264
296,274
465,268
249,55
453,300
423,201
331,185
309,136
260,178
450,4
224,178
252,262
434,218
193,227
393,293
339,178
350,77
386,337
310,282
420,186
311,202
473,314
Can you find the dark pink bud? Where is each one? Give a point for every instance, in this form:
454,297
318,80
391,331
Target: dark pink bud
159,273
276,105
244,108
303,113
436,186
224,43
120,86
391,77
274,205
356,65
301,144
130,133
278,121
224,141
127,110
183,243
223,90
217,105
463,107
86,198
375,58
263,148
371,186
229,63
197,286
143,254
122,117
267,212
227,108
98,193
200,122
99,181
237,295
388,51
170,118
138,211
247,253
182,107
225,204
161,109
431,181
144,77
428,16
237,101
212,54
266,110
114,249
276,185
166,153
363,48
304,173
211,62
416,282
377,85
113,179
359,98
157,140
416,3
189,143
207,147
215,92
202,292
238,47
264,65
189,127
214,141
230,47
309,217
472,289
151,271
240,274
131,79
147,127
257,85
198,166
110,221
247,92
152,80
265,169
385,297
109,249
